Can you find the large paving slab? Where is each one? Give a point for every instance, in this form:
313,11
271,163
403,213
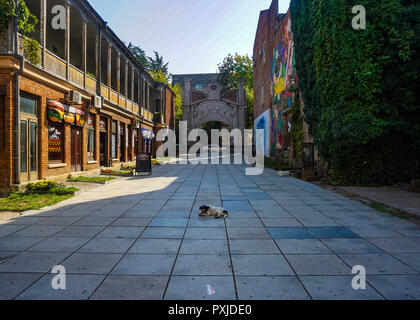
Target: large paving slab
141,238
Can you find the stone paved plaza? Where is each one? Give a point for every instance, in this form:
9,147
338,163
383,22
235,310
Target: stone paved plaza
141,238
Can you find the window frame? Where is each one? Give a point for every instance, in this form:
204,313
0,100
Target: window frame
91,130
62,138
29,97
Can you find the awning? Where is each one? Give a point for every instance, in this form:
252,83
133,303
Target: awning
147,134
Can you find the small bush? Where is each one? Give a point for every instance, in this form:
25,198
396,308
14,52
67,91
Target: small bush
49,187
276,165
40,187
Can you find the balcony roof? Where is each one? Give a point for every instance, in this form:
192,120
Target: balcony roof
102,24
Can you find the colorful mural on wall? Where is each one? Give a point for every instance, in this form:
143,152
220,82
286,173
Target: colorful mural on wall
262,138
283,76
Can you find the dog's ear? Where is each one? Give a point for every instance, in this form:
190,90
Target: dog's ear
225,212
204,208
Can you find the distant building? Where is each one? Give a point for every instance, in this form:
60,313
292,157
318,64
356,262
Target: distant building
275,77
199,81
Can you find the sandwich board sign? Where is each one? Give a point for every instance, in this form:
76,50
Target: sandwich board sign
144,163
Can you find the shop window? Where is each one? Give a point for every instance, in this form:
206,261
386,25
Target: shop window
114,140
28,105
55,142
91,145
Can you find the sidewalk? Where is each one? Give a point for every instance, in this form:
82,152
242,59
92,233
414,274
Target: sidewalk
396,197
140,238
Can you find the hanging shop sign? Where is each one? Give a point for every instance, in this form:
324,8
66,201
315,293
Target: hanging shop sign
80,118
147,134
69,114
59,113
55,111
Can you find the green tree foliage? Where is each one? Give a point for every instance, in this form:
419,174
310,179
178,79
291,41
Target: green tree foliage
233,68
26,20
178,100
26,25
359,86
154,64
158,69
230,71
161,77
157,64
139,54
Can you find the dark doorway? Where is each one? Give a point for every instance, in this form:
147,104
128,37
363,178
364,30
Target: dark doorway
130,140
76,149
122,143
103,149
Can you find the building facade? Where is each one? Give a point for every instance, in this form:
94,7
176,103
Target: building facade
198,81
275,90
83,103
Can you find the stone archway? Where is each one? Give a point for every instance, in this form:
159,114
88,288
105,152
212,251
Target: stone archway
210,104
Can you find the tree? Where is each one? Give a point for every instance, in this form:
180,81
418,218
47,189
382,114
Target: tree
178,100
157,64
233,68
26,20
230,71
139,54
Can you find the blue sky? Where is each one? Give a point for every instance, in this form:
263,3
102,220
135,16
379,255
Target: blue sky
193,35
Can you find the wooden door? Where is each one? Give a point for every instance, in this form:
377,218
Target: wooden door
28,149
76,149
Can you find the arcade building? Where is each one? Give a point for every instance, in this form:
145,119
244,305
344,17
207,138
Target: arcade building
82,104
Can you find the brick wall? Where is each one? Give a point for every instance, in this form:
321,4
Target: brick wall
41,92
170,108
6,119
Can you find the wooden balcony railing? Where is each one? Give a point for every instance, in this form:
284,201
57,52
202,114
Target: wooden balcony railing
22,50
129,105
105,92
123,101
113,96
135,108
55,65
90,84
146,114
76,76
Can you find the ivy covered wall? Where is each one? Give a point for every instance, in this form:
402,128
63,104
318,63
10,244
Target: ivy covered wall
359,86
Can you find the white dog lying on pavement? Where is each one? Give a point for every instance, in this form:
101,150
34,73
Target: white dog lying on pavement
210,211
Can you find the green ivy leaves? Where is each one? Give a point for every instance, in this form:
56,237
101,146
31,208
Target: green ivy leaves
358,86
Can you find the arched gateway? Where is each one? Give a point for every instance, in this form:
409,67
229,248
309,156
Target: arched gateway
210,104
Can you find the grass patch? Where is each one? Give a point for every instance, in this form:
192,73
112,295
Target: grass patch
276,165
388,210
19,202
156,162
122,173
36,196
91,179
128,168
